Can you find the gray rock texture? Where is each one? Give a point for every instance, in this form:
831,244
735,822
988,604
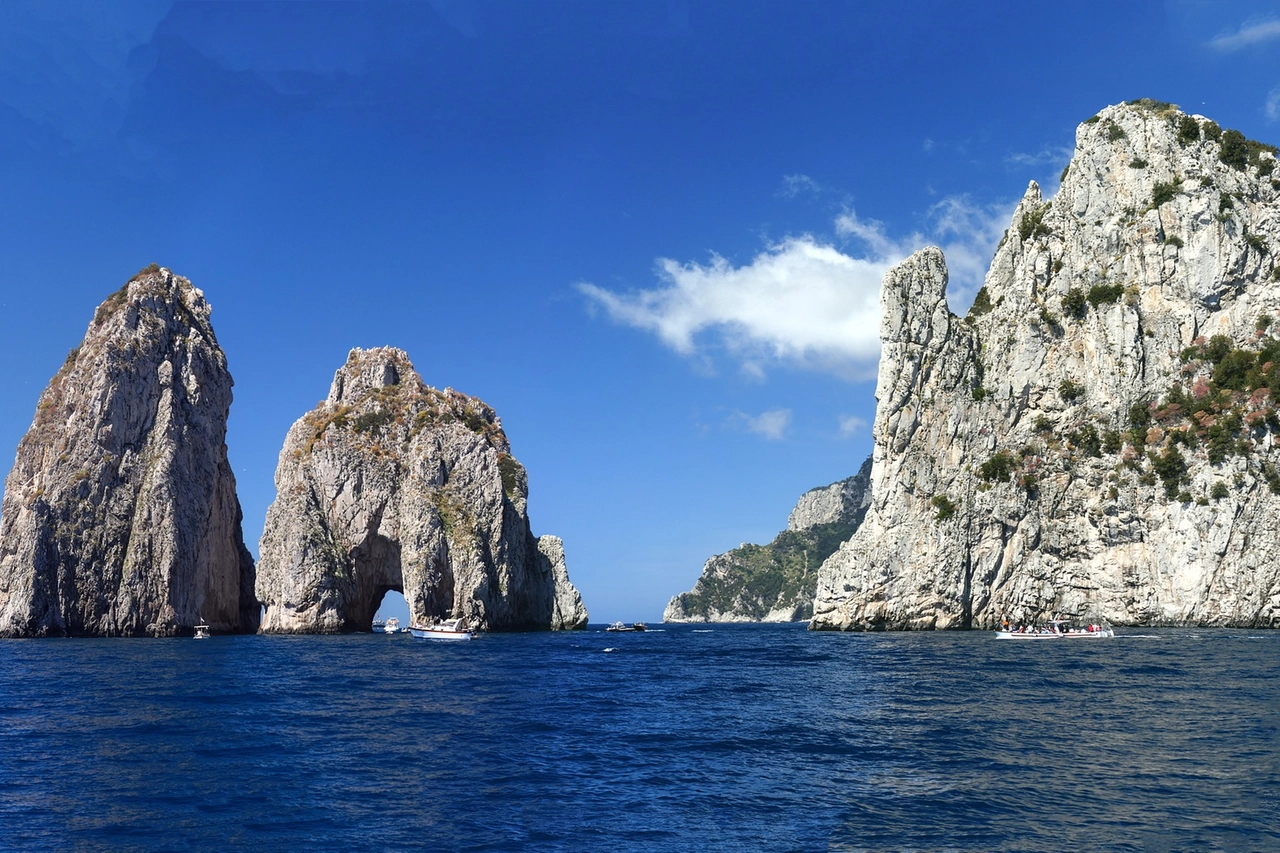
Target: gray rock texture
120,515
1097,436
776,582
392,485
838,502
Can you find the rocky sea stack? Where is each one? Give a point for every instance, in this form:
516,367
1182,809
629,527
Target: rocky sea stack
120,515
392,485
1098,436
776,582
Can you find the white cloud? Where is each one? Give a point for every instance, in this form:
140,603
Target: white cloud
1273,104
800,301
1247,36
771,424
803,301
851,425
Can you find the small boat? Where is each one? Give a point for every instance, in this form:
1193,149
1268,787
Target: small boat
1058,629
617,627
449,629
202,632
391,626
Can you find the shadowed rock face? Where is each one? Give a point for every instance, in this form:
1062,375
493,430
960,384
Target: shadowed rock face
120,515
1097,436
391,485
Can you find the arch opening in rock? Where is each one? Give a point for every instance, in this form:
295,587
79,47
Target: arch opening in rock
393,605
375,568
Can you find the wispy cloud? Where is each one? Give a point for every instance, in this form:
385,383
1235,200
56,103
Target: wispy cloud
1248,35
851,425
1273,104
794,185
804,301
771,424
1053,155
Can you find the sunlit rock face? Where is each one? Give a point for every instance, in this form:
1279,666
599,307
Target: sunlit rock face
1097,436
776,582
120,515
389,484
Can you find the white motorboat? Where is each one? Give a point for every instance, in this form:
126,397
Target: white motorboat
391,626
202,632
1058,629
449,629
619,627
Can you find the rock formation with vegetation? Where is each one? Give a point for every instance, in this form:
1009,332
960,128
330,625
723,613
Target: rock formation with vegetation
392,485
120,515
1098,435
776,582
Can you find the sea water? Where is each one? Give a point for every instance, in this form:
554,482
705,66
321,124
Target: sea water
685,738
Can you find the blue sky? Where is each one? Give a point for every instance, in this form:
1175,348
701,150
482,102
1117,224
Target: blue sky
650,235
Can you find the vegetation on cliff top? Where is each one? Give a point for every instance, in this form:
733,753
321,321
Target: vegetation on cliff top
753,580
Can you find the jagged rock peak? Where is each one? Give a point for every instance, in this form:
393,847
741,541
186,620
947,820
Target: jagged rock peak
839,502
776,582
120,515
390,484
1076,444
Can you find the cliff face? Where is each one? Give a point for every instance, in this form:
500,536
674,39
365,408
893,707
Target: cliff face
392,485
776,582
1097,437
120,515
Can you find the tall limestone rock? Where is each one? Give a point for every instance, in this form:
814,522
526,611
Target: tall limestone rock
120,515
776,582
1097,436
392,485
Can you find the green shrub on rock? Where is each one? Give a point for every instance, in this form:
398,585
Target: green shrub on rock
999,467
1073,303
1188,130
1105,294
1235,150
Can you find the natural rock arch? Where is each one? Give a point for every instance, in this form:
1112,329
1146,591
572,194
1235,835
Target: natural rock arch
390,484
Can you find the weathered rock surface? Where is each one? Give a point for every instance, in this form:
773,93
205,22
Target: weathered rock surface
120,515
392,485
1097,437
838,502
776,582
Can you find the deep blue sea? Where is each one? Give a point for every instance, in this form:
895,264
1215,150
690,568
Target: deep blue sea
685,738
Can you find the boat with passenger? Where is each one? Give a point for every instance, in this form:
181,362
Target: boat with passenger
1058,629
202,632
619,627
390,626
449,629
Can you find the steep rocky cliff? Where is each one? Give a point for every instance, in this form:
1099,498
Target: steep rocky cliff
1097,436
776,582
120,515
392,485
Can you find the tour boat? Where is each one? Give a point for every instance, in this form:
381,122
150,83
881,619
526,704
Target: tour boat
449,629
1059,630
620,626
391,626
202,632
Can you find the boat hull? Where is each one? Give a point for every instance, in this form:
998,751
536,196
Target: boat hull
441,635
